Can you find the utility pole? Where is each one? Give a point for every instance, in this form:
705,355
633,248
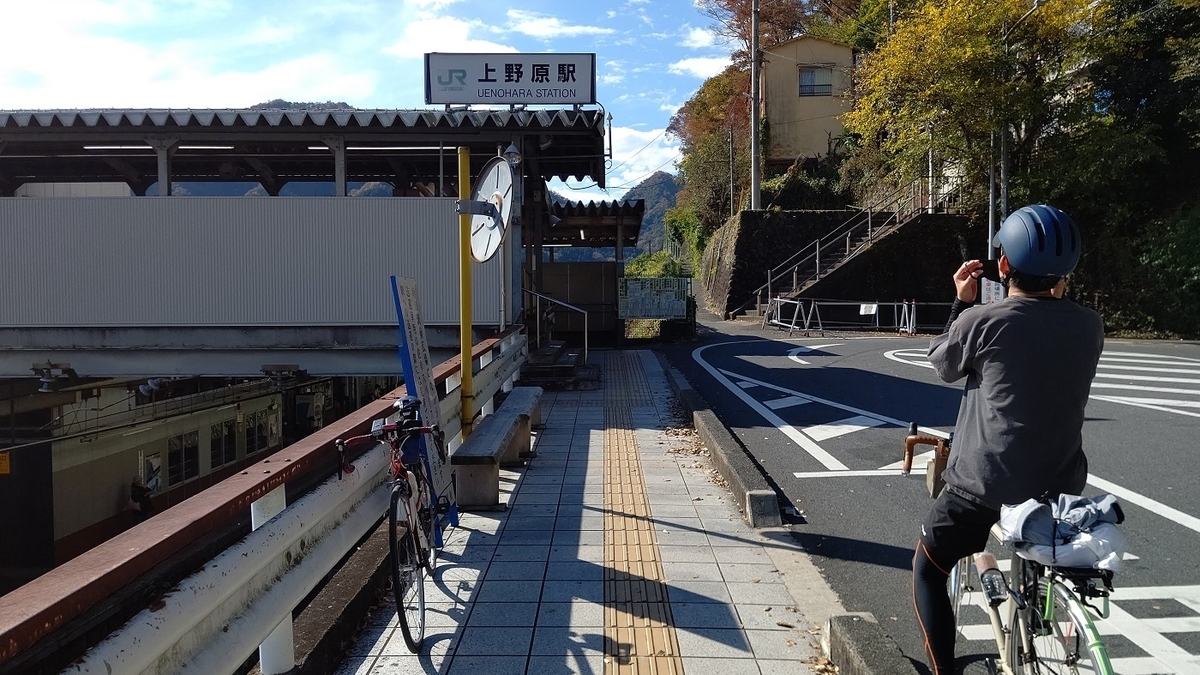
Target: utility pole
732,196
755,159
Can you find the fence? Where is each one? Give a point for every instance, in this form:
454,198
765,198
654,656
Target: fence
907,317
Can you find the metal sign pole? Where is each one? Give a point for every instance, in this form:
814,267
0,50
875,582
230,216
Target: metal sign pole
466,390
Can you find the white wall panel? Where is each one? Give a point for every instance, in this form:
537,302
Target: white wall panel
200,261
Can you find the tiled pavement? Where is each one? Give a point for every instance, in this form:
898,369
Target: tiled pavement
617,554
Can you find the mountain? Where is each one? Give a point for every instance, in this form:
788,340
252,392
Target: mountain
658,191
280,104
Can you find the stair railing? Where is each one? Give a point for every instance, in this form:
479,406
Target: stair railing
907,202
538,314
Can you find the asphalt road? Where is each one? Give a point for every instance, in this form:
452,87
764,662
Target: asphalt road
826,417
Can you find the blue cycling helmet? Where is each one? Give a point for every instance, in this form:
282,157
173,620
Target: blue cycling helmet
1040,240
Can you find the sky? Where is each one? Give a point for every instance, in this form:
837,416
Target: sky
651,56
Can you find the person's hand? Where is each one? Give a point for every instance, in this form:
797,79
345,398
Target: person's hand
966,280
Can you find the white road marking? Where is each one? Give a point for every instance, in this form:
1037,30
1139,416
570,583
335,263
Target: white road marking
1135,400
786,402
1157,356
1148,378
1152,505
832,404
746,385
1116,399
817,452
824,432
1140,387
867,473
909,357
1182,371
804,349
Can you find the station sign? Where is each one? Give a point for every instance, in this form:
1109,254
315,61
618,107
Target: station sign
510,79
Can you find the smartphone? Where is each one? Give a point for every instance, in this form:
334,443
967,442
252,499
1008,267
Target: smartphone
991,270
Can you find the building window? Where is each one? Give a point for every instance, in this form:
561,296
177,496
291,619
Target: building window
223,443
257,437
183,457
816,82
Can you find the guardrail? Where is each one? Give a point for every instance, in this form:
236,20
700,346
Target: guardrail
805,315
212,620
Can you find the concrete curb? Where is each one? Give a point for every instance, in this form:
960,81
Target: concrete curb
760,506
858,645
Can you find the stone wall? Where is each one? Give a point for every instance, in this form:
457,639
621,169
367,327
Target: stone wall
914,263
741,252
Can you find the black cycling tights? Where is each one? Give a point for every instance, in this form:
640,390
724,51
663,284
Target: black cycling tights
933,610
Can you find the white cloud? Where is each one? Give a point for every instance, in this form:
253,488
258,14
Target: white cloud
546,27
702,67
433,5
698,38
441,34
636,155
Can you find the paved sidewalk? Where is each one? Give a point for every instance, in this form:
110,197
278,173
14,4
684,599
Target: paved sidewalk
618,553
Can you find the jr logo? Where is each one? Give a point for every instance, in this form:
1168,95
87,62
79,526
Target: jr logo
452,75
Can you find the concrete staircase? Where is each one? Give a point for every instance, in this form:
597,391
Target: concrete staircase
555,366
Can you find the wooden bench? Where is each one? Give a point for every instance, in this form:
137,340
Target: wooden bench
500,439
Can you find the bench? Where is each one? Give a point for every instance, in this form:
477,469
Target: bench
500,439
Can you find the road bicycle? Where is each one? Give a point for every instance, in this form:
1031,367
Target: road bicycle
1042,616
417,514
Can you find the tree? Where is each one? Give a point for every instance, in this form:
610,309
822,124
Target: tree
778,21
954,71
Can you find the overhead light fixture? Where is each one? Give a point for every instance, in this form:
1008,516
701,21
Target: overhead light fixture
513,155
582,235
393,148
118,147
205,147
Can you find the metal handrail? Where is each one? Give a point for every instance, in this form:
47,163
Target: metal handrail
538,314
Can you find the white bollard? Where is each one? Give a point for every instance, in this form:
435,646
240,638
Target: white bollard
277,654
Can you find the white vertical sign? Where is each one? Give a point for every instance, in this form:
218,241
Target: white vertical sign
990,291
422,385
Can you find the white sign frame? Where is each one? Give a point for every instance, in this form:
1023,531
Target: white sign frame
510,79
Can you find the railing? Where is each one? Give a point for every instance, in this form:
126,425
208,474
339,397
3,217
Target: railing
538,322
897,208
212,620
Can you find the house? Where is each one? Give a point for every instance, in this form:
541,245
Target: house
806,86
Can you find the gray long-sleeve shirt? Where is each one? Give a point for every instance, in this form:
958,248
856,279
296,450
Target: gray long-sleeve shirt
1029,364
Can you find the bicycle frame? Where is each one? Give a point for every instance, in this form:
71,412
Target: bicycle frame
1009,619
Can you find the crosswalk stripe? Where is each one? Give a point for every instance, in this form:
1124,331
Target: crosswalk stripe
823,432
1141,387
785,402
1149,369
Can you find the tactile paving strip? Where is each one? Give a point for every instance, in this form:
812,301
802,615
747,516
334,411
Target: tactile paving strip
639,635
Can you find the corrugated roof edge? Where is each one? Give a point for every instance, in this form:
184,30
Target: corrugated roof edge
162,117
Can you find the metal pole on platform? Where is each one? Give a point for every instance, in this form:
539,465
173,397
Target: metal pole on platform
466,390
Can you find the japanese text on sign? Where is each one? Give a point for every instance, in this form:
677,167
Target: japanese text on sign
536,79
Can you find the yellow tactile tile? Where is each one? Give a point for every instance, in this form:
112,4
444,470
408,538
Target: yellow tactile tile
639,633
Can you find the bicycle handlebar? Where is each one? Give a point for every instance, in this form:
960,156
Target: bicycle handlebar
910,444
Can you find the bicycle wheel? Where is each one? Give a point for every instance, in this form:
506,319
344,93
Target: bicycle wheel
1060,635
958,585
408,573
426,519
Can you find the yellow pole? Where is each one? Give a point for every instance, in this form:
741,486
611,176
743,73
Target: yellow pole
467,389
